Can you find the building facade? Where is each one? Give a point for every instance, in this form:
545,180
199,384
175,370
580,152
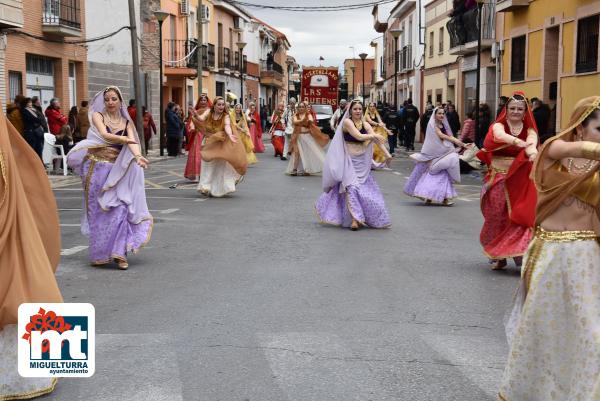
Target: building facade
353,72
440,76
463,43
550,51
36,63
11,17
378,72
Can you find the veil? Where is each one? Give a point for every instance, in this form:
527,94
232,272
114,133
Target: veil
441,153
339,167
125,182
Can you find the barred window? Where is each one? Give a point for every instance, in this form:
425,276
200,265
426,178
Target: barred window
587,44
39,65
517,63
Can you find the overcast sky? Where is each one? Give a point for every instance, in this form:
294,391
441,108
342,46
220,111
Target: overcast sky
327,34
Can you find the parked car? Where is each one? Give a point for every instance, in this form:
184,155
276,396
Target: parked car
324,113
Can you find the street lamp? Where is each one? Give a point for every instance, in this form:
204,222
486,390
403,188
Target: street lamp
477,89
161,16
352,69
290,69
241,46
363,56
396,34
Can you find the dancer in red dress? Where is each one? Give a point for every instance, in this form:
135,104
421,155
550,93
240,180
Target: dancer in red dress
196,133
509,196
255,128
277,131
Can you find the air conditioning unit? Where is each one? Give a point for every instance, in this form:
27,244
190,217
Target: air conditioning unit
205,13
185,7
238,23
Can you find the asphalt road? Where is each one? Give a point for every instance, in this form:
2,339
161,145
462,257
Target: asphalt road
249,298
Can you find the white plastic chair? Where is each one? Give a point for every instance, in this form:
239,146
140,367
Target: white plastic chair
52,152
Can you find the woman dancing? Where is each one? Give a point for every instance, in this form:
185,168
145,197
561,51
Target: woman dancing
381,156
438,166
351,196
277,130
256,130
29,253
554,328
110,163
241,125
508,195
223,155
194,147
306,147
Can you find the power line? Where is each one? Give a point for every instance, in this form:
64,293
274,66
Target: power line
313,8
70,42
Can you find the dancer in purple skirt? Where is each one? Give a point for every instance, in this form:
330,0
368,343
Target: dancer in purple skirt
438,165
110,163
351,196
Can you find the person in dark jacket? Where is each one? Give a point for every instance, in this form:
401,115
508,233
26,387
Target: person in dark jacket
453,119
541,114
390,120
174,129
485,119
37,105
426,116
33,126
411,116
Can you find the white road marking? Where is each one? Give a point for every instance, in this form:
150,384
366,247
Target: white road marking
200,200
73,251
168,211
70,225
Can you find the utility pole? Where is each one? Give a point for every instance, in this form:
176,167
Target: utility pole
139,124
199,48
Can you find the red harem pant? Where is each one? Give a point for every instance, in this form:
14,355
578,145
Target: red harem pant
278,143
500,237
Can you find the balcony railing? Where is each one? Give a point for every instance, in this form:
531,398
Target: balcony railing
464,28
61,13
271,66
179,53
224,58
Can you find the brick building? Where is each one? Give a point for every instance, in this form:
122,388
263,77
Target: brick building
38,62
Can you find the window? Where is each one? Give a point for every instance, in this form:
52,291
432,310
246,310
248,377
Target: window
15,84
517,63
441,39
587,44
431,43
39,65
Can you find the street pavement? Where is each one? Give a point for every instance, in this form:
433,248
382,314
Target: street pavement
249,298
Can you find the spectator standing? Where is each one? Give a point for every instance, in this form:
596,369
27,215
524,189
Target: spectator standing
390,119
453,119
400,124
411,116
264,116
541,114
33,123
467,134
174,125
14,114
484,124
426,116
83,121
502,100
132,110
56,119
149,127
73,124
37,105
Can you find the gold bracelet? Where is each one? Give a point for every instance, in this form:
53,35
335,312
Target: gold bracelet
137,157
590,150
514,142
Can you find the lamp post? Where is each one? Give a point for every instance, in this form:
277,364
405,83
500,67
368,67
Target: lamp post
352,69
290,65
363,56
396,33
478,89
160,17
241,46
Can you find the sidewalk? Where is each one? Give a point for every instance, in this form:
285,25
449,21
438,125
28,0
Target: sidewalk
61,181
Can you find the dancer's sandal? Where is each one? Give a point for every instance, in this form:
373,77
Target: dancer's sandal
122,264
98,264
500,264
354,225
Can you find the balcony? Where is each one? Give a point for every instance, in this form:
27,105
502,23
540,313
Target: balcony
510,5
181,57
11,14
271,74
61,17
463,30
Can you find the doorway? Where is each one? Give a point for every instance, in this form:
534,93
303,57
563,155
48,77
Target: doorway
550,75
